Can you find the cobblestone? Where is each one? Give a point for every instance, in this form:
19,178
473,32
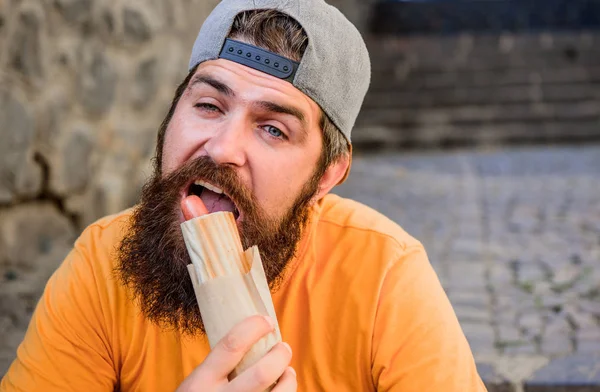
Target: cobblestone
513,235
575,373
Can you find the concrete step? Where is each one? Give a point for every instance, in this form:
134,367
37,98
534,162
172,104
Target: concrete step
485,52
398,98
438,62
559,112
485,43
414,79
377,137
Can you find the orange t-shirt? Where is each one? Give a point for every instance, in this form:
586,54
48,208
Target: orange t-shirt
360,306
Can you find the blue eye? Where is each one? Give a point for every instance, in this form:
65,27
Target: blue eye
275,132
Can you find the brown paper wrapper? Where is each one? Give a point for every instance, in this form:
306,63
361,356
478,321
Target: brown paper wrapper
230,284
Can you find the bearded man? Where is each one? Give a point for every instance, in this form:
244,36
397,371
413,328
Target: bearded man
260,127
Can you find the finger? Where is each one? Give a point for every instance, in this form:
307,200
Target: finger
230,350
265,372
288,381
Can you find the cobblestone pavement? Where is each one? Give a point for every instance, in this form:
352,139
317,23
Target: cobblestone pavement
514,236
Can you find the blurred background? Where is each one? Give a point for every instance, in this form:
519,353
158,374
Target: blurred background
480,135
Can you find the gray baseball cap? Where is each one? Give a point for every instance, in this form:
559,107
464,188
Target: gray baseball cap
335,70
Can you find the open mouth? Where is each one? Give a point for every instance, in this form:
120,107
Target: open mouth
213,197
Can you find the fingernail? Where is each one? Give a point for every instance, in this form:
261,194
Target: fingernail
287,346
270,321
292,370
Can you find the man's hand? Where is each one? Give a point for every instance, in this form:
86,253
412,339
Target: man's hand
211,375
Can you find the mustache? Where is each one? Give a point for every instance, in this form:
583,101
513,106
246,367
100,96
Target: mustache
205,168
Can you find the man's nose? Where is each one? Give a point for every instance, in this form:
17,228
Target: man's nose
228,145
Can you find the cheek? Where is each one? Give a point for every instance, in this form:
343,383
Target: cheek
279,180
172,152
168,152
178,145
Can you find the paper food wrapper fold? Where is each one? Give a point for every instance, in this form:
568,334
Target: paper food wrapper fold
230,284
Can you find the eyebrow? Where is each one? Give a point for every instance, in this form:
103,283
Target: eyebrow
283,109
214,83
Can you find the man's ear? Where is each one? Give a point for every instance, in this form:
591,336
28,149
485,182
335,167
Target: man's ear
332,176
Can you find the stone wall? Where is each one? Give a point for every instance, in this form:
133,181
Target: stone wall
482,89
84,85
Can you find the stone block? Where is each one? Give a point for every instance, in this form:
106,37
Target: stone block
557,338
480,337
104,21
75,11
588,333
33,234
552,301
29,182
467,275
54,107
532,322
137,23
71,163
172,72
589,306
493,381
145,84
475,314
522,348
12,335
471,249
26,49
581,320
20,175
529,273
574,373
505,316
542,290
469,298
511,340
3,27
500,275
556,345
97,82
558,324
566,275
509,334
13,311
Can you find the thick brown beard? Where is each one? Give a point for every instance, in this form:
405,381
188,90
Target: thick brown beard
152,257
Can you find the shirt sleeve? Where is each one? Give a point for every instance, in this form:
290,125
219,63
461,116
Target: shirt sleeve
418,344
66,346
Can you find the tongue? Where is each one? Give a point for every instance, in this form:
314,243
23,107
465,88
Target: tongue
215,202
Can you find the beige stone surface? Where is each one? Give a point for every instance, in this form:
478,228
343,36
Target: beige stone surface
84,85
